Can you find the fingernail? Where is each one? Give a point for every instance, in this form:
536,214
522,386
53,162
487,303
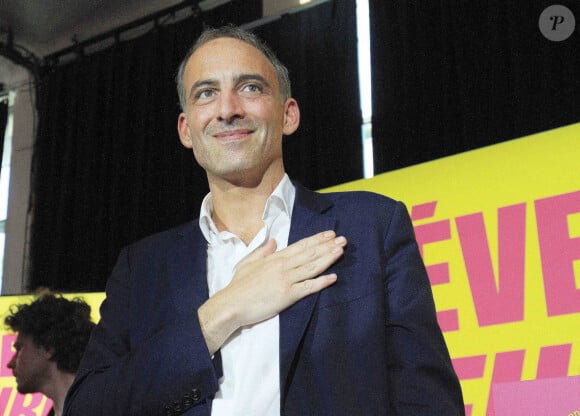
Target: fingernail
340,240
338,249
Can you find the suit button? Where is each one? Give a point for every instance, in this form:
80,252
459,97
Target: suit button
195,395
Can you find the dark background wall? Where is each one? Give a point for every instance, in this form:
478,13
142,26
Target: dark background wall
452,76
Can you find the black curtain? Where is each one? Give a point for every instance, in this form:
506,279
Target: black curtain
453,76
108,160
109,167
319,47
3,121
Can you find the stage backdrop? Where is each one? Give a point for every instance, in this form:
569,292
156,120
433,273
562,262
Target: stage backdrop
499,230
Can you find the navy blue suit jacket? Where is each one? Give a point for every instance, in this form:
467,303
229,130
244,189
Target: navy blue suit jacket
368,345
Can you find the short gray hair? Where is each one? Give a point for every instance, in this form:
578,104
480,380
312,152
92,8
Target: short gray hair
245,36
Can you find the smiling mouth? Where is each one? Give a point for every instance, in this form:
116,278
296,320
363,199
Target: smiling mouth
233,135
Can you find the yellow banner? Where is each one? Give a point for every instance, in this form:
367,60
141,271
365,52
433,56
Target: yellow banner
499,230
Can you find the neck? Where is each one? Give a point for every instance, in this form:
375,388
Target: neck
239,208
57,388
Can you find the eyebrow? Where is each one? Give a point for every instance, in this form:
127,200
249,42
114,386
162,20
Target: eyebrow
202,83
252,77
211,82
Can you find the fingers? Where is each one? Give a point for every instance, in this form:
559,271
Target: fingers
306,258
306,244
312,256
267,282
311,286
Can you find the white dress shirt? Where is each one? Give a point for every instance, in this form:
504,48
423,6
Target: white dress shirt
251,356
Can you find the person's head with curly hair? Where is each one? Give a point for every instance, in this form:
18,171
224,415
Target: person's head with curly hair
52,334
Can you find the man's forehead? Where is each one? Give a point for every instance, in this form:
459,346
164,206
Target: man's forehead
228,55
227,43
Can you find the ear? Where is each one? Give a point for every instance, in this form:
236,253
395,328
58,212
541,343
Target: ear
183,130
48,353
291,116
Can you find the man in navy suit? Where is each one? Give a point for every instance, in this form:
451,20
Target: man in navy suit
260,307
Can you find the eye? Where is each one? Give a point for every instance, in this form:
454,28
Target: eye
252,88
205,94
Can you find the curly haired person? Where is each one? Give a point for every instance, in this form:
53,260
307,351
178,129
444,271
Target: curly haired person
52,334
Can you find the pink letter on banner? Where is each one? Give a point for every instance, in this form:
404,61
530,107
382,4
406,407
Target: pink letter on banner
448,320
468,368
431,233
422,211
558,252
6,354
507,367
438,273
554,361
504,302
20,408
47,407
5,394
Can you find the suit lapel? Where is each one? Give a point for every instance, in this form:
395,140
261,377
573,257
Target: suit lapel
308,218
187,270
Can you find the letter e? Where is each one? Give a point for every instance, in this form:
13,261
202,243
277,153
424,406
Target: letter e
558,252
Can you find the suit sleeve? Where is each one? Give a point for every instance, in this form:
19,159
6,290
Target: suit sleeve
421,376
164,374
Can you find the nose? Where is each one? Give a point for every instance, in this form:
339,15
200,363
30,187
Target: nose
230,107
12,363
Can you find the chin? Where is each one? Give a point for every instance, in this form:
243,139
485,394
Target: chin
24,389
